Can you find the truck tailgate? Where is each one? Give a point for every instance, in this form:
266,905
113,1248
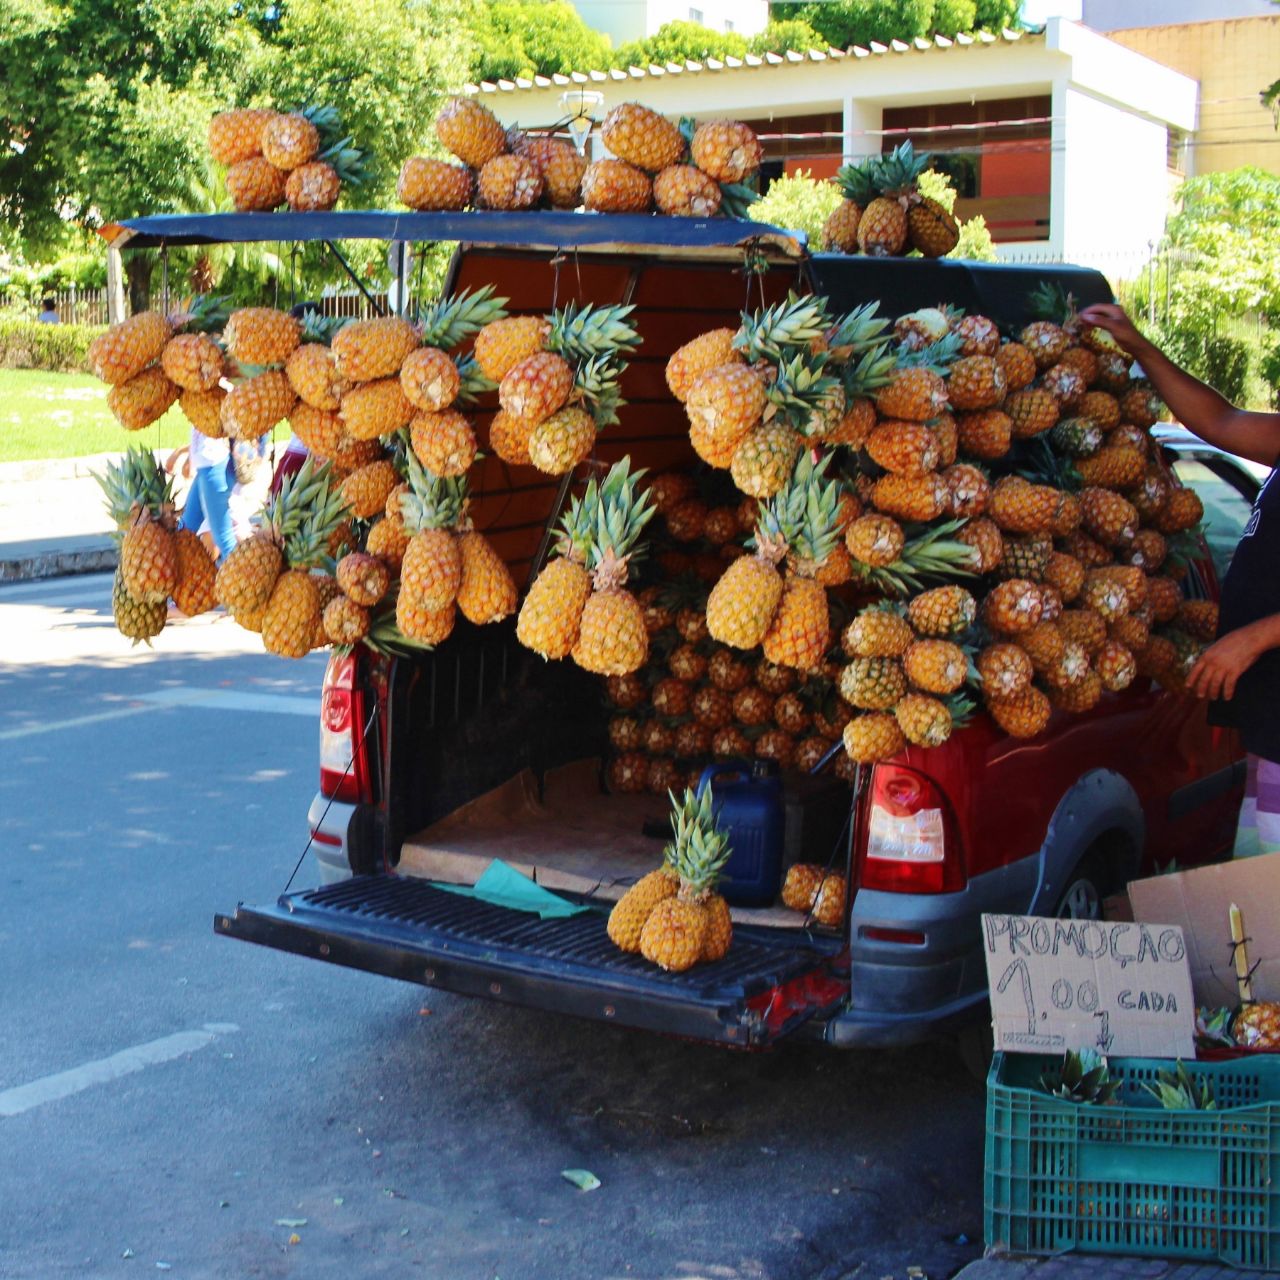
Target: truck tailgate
770,983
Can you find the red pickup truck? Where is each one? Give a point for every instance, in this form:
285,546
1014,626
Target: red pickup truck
431,765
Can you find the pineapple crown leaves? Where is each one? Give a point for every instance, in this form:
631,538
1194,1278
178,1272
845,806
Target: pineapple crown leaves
1213,1026
1178,1090
576,525
775,331
617,515
861,329
930,552
1050,301
802,388
858,180
595,384
318,327
897,173
806,510
384,636
700,847
433,502
136,481
938,356
473,382
451,320
310,511
960,707
873,369
347,161
1083,1077
736,198
1036,460
327,121
202,313
585,332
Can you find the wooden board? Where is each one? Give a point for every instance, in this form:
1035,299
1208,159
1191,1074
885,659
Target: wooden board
573,838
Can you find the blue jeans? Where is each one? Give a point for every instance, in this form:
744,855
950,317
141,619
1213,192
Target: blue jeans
209,498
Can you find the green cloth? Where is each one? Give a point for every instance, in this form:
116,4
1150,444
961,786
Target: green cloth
504,886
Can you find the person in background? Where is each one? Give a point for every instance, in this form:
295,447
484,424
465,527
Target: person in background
49,311
1240,671
208,463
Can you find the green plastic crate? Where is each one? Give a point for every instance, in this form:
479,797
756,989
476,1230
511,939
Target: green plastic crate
1133,1178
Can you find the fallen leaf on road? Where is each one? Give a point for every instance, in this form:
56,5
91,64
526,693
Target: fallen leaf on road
583,1179
295,1238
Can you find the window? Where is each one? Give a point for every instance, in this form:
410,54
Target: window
728,24
695,15
1222,487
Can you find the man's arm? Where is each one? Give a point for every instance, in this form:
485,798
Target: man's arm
1197,406
1225,661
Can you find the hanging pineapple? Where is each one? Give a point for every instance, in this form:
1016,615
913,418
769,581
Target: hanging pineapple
431,571
552,611
612,639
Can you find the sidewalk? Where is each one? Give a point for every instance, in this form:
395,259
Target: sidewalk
1081,1266
53,521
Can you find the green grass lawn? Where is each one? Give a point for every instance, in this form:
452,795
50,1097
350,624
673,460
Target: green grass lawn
65,415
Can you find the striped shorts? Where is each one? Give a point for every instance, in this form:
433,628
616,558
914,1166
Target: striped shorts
1259,829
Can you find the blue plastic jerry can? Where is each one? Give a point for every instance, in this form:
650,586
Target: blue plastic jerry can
748,802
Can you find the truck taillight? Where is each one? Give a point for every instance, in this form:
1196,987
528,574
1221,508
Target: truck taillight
912,843
344,770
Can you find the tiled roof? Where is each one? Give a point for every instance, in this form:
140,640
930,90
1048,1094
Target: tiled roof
750,61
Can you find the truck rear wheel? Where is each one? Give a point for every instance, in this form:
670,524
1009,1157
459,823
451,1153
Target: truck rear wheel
1082,897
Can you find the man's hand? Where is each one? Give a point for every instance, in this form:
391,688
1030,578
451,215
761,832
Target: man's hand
1112,318
1223,663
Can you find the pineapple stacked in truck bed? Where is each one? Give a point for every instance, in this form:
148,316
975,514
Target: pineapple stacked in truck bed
1010,533
688,171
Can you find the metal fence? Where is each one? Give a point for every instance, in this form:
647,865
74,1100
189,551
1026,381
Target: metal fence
74,306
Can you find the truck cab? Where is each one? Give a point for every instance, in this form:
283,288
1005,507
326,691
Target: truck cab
434,764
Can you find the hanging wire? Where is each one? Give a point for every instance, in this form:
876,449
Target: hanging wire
364,733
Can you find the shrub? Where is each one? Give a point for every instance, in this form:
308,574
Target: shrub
798,202
1226,366
58,348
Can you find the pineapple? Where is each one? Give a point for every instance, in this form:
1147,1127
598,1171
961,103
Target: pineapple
367,488
727,402
916,392
726,150
685,928
1018,364
1257,1025
942,612
873,736
427,184
1004,670
707,351
140,502
1032,410
504,343
367,350
883,228
969,488
558,443
192,361
975,382
509,439
936,666
613,186
873,684
879,631
742,603
134,619
1018,506
840,231
1115,666
549,618
764,459
978,336
1046,341
251,408
924,720
985,540
255,185
430,379
145,398
294,610
683,191
290,139
470,131
509,182
237,135
486,592
1024,715
443,442
932,228
630,912
642,137
262,335
1077,437
193,593
1113,468
203,409
363,578
378,408
814,890
1013,607
807,514
986,434
561,166
903,448
1107,516
612,639
914,498
431,571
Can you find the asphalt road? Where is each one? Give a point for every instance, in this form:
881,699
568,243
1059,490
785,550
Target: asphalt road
177,1102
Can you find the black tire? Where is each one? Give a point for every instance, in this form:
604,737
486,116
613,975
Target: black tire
1084,891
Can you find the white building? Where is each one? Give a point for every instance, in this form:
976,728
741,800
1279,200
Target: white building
626,20
1060,138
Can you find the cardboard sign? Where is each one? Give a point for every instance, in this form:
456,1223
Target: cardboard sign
1114,986
1200,902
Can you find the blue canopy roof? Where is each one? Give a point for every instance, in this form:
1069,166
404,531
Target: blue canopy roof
533,230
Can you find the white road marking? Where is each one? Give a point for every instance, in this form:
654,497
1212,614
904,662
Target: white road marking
159,699
23,1097
234,700
29,731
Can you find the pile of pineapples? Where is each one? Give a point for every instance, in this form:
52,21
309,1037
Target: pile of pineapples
884,212
687,171
673,916
271,158
990,517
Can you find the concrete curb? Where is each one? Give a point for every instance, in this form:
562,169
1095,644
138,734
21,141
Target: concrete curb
58,564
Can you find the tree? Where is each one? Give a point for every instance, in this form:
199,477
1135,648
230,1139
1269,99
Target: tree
535,37
845,22
682,42
779,37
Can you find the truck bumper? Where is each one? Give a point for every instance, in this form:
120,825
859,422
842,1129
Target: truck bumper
330,824
902,993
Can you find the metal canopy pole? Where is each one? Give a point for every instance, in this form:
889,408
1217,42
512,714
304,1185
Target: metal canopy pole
378,308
